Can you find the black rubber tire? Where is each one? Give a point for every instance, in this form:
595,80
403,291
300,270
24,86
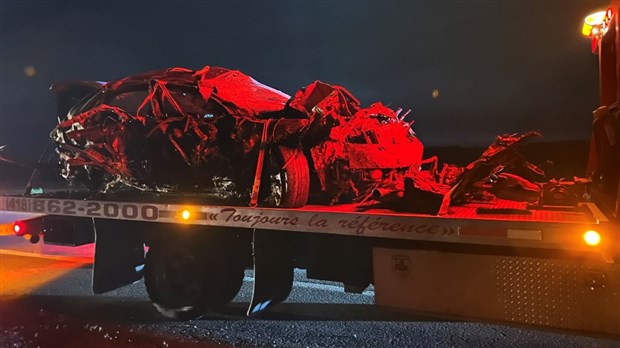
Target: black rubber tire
180,297
292,166
230,286
212,275
224,269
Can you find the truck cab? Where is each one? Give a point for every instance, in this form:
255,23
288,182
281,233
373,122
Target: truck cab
604,158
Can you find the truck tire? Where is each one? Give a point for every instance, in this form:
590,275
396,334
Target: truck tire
174,281
185,279
288,178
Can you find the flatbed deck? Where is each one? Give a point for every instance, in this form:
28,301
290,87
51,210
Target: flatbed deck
500,223
494,210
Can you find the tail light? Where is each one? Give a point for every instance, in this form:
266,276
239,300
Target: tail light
19,228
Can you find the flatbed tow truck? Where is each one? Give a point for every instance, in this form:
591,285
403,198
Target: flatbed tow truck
541,266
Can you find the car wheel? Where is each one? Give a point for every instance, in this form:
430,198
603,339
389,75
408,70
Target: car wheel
288,178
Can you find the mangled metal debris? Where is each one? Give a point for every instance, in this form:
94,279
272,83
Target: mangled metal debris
173,130
209,130
221,132
500,171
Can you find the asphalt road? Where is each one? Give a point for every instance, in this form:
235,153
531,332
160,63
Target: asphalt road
45,300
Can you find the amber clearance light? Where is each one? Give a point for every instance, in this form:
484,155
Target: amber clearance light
592,238
186,214
595,24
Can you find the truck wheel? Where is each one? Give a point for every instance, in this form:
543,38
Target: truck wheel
229,285
288,178
186,279
174,281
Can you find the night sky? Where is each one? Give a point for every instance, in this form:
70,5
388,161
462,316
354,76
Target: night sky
499,66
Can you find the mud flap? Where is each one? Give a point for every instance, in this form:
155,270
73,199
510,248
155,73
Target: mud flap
119,254
273,269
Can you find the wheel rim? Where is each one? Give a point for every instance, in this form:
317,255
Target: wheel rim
277,188
276,182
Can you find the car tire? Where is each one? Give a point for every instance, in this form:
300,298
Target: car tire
288,168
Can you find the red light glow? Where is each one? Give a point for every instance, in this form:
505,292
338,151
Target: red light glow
376,174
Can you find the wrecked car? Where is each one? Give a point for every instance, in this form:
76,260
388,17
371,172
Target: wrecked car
221,132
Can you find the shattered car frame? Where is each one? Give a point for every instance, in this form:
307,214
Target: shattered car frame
220,131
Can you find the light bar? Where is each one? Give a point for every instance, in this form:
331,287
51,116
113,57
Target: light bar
595,25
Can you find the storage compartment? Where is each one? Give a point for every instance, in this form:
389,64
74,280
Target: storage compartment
554,293
70,231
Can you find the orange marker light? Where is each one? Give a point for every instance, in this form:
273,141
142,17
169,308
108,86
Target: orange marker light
592,238
186,214
586,30
595,25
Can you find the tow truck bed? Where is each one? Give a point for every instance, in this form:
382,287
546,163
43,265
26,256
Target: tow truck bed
497,210
524,283
502,223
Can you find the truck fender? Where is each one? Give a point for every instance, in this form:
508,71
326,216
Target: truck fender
119,254
273,269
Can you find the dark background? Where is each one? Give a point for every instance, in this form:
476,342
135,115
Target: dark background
499,66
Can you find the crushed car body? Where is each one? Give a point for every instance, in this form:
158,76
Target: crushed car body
220,132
